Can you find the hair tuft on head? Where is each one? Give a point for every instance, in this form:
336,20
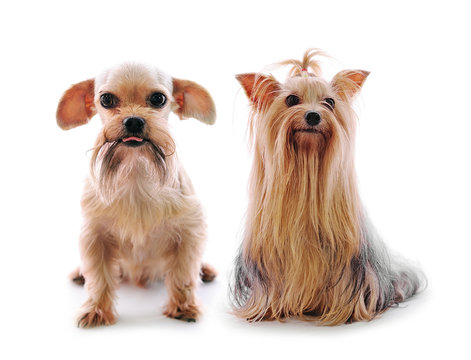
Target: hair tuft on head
308,65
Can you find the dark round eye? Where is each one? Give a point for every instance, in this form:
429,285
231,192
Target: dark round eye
330,102
292,100
108,100
157,100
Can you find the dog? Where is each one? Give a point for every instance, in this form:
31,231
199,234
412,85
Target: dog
142,220
309,250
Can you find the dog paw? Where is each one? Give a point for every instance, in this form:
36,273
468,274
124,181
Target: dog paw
96,317
77,277
188,313
142,282
207,273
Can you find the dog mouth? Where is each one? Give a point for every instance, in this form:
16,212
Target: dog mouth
311,131
314,131
133,141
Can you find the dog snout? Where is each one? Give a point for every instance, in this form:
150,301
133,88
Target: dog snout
312,118
134,124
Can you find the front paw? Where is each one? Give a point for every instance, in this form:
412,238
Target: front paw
186,312
96,317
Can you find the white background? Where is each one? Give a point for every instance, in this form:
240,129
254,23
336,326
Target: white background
413,152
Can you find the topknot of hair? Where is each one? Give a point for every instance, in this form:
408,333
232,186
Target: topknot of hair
308,65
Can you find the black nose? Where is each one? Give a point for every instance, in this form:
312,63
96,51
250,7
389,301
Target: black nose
312,118
134,124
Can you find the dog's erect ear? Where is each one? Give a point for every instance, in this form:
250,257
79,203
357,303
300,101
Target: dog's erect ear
347,83
76,106
260,89
193,101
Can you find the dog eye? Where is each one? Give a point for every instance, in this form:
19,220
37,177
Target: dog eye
330,103
157,100
108,101
292,100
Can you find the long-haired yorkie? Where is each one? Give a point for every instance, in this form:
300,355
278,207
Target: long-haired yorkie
309,251
143,221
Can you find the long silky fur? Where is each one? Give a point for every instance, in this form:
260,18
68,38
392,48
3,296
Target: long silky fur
309,250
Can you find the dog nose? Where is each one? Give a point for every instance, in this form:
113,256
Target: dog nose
134,124
312,118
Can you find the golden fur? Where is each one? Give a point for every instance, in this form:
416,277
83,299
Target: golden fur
142,220
308,249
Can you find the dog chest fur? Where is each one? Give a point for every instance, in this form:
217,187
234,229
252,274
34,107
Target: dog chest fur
134,205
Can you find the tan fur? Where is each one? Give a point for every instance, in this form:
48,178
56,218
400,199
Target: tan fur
302,250
142,220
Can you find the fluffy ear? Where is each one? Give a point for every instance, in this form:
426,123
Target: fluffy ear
76,105
347,83
193,101
260,89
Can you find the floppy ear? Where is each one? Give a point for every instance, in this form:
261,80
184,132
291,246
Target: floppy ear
347,83
76,106
260,89
193,101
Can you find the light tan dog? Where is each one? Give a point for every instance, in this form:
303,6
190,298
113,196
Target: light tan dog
143,221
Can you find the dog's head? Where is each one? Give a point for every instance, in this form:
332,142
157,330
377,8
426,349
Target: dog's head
134,102
306,113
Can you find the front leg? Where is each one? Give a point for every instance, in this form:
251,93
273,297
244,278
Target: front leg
99,251
182,275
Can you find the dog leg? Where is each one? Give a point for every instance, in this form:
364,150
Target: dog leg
181,281
98,252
